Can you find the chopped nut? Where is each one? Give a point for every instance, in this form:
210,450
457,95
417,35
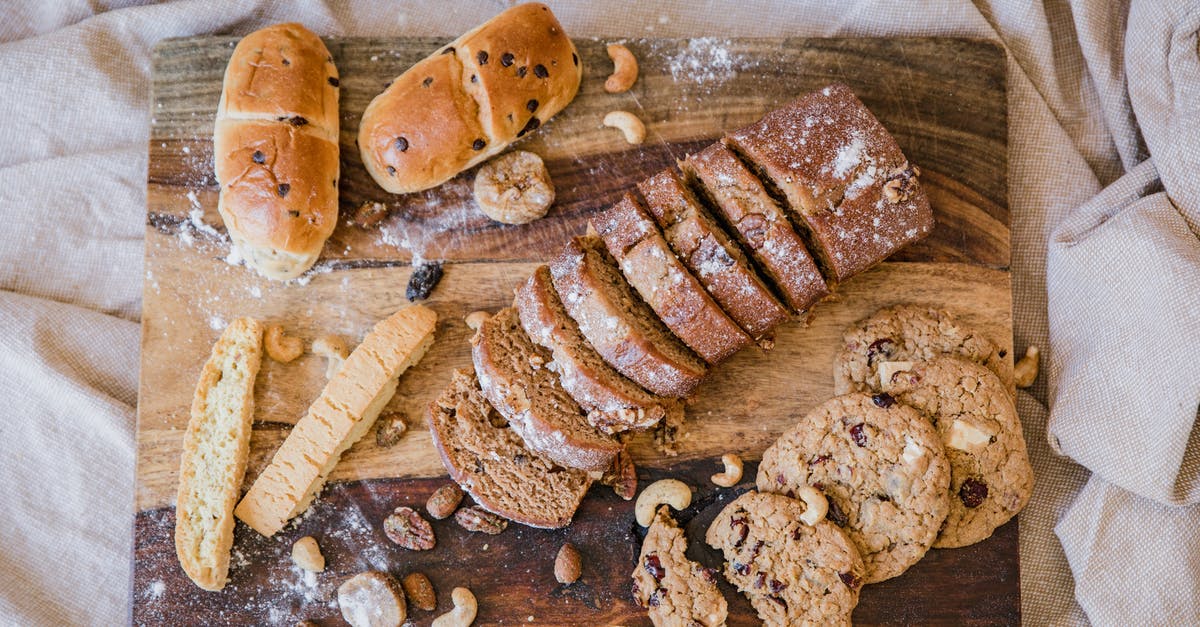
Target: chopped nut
567,565
1026,370
389,428
307,555
279,347
419,591
444,501
480,520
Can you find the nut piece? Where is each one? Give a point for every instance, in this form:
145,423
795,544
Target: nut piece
622,476
1026,369
334,350
478,519
463,613
625,69
444,501
389,428
369,213
514,188
815,505
475,319
567,565
965,436
372,599
420,591
280,347
628,123
733,471
673,492
307,555
406,528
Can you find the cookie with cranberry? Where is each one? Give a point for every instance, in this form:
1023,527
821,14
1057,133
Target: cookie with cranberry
990,475
882,468
907,333
792,573
673,589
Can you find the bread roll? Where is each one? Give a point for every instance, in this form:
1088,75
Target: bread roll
469,100
276,149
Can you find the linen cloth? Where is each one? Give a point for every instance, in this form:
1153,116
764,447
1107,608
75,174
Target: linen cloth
1082,94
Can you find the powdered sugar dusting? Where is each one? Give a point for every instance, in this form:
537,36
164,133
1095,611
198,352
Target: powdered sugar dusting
849,156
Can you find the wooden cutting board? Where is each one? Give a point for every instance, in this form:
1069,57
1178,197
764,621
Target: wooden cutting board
945,101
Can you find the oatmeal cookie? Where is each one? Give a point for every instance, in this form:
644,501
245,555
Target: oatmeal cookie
674,589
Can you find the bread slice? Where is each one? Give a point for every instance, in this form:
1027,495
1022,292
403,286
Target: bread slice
515,377
707,251
492,463
215,448
613,402
665,283
619,325
344,411
760,223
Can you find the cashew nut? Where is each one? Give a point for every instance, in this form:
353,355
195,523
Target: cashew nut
1026,369
670,491
333,349
463,613
625,69
733,471
628,123
815,505
280,347
307,554
475,319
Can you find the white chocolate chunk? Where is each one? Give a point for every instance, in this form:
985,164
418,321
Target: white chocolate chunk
912,451
889,368
965,436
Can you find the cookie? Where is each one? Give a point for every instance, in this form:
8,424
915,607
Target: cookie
673,589
882,468
792,573
903,333
990,476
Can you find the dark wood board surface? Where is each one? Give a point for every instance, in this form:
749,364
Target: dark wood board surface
944,99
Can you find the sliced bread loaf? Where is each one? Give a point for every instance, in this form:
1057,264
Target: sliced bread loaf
613,402
515,377
761,224
707,251
665,283
619,325
492,463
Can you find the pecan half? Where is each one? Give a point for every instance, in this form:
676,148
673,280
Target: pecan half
406,528
480,520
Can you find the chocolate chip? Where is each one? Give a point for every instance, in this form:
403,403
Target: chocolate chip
654,566
532,124
540,71
1003,353
506,59
482,56
522,71
474,79
575,58
424,278
258,156
294,213
478,144
532,105
284,188
286,62
298,121
856,432
972,493
391,170
851,580
427,82
448,50
883,400
401,144
334,81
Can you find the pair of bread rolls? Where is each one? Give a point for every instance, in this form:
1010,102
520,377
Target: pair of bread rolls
276,136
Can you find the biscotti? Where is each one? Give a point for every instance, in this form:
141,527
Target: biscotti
345,410
712,257
515,377
215,447
469,100
759,222
843,176
492,463
613,402
679,300
675,590
275,149
619,325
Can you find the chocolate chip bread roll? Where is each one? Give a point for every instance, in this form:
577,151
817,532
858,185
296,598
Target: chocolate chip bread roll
275,149
469,100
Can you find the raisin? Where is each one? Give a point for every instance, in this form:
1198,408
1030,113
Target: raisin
882,346
402,144
532,105
836,514
851,580
391,170
1003,353
972,493
709,574
427,82
575,58
819,459
424,278
856,432
482,56
284,188
540,71
478,144
743,529
777,586
474,79
883,400
522,71
739,568
532,124
653,565
286,61
656,598
298,121
258,156
334,81
448,50
779,601
294,213
506,59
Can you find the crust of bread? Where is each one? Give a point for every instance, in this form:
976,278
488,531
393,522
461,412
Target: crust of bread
483,103
215,448
345,410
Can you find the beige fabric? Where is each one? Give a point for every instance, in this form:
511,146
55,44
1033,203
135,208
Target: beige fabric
72,175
